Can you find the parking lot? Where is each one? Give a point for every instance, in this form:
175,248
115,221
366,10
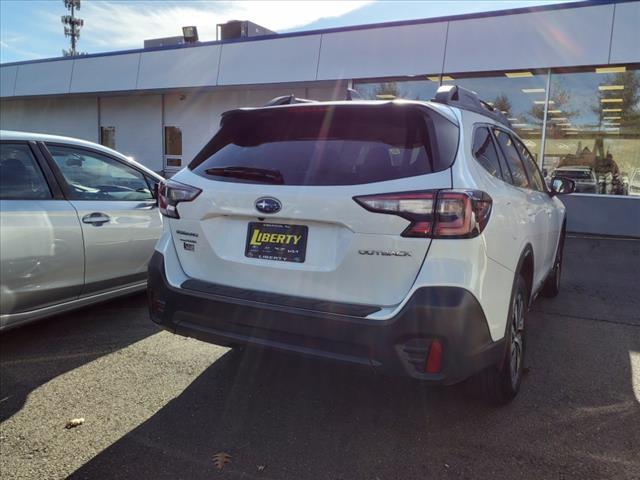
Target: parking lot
160,406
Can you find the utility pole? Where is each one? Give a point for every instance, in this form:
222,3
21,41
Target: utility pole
72,26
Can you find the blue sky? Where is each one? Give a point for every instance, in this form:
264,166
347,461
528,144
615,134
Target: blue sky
31,29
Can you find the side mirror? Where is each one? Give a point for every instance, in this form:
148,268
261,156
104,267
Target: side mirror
562,185
156,186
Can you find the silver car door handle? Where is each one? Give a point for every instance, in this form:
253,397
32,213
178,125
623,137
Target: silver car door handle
96,218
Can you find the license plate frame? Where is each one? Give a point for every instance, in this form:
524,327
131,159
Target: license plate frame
279,242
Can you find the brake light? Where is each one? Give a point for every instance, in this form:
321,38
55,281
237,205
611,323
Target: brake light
435,214
170,193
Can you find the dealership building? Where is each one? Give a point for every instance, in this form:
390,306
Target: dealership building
567,77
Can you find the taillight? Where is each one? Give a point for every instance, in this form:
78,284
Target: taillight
435,214
461,214
170,193
417,207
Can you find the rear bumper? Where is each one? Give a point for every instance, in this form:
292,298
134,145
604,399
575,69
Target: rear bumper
398,346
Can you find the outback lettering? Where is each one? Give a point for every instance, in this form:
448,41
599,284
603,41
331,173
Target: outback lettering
390,253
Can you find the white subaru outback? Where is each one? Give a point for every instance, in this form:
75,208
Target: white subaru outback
409,237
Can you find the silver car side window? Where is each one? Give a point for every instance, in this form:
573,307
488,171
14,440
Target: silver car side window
20,174
92,176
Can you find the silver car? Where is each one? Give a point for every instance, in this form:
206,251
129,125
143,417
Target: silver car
78,224
584,177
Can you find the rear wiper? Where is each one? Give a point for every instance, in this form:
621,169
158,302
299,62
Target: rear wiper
248,173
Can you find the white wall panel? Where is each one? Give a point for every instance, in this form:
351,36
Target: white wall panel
292,59
8,80
105,74
44,78
575,36
73,117
405,50
196,116
138,123
625,41
182,67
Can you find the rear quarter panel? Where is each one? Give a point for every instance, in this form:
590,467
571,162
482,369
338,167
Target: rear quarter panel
508,232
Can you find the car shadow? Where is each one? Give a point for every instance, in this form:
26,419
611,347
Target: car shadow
34,354
282,417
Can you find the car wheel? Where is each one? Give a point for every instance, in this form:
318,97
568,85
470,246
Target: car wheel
551,286
500,383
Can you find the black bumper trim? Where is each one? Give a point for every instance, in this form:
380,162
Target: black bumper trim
397,345
281,300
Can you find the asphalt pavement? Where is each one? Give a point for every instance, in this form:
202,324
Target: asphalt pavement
161,406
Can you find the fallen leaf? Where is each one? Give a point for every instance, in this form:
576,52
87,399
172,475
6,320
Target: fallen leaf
261,468
74,422
221,459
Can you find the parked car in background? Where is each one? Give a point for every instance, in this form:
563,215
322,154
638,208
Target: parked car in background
406,236
78,223
584,177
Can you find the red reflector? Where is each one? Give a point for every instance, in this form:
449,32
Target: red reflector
434,359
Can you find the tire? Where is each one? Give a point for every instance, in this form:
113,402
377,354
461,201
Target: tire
500,383
551,286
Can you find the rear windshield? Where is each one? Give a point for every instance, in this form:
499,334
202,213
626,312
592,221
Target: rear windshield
328,145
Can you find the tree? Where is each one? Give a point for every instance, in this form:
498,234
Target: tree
503,104
386,89
559,99
630,95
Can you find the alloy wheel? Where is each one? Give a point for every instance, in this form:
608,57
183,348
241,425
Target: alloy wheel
517,339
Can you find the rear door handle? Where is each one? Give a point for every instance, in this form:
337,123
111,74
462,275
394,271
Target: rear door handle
96,218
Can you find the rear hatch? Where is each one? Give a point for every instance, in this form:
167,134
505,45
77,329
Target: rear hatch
277,212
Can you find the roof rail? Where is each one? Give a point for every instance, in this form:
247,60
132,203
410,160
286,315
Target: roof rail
460,97
287,100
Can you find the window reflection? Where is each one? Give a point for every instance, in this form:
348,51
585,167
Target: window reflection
402,88
519,96
593,130
593,118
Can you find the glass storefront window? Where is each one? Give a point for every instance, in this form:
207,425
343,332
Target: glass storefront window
592,124
593,129
520,96
411,89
